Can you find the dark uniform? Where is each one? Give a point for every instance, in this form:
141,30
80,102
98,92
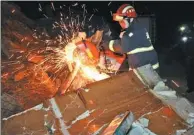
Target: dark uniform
136,43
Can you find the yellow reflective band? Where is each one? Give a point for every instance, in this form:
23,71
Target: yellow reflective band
155,66
143,49
111,44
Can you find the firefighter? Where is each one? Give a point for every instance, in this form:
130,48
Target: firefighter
134,40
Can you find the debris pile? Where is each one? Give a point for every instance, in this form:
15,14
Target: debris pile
91,110
36,66
20,76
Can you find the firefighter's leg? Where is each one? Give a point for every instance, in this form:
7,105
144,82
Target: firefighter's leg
113,46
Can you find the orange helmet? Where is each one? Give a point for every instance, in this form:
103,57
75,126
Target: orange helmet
125,10
89,49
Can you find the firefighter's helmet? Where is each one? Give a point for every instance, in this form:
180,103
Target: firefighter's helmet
124,11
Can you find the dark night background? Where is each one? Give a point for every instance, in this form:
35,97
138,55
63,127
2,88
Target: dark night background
169,15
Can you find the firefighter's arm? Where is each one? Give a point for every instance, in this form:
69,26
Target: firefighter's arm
115,46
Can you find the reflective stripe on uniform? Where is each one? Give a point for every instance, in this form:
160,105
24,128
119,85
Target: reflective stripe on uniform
155,66
111,44
142,49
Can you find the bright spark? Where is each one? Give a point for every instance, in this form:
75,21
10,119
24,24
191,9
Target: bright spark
52,6
109,3
45,16
91,17
40,7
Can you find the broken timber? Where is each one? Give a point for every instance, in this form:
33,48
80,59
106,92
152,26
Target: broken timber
93,108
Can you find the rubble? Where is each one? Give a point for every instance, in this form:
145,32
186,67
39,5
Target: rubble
120,124
27,75
26,86
30,57
86,112
140,127
9,105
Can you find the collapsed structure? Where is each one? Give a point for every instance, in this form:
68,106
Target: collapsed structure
28,58
89,109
